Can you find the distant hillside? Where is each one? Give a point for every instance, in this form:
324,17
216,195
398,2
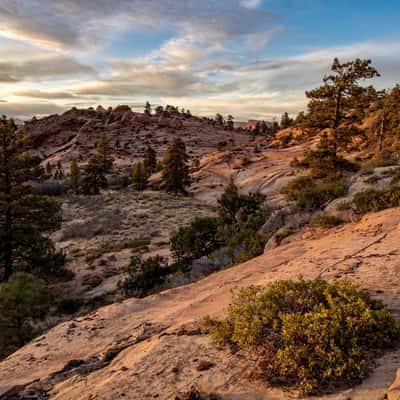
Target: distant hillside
74,134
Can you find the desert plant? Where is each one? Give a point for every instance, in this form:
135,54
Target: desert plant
310,335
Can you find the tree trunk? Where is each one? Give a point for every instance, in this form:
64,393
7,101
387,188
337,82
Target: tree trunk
381,132
8,234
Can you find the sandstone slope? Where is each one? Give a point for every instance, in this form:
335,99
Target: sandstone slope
150,348
74,134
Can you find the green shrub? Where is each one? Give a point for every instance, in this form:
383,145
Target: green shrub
144,276
376,200
326,221
23,300
310,194
313,336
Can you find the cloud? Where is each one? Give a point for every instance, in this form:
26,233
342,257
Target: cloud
84,24
41,68
27,110
39,94
251,3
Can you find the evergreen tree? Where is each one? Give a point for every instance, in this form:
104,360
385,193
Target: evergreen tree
219,120
75,176
333,104
159,110
150,160
263,127
147,109
286,121
23,300
139,176
389,115
103,154
175,174
24,215
275,126
49,169
94,178
229,123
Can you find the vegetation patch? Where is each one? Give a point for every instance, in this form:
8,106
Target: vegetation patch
311,194
326,221
376,200
135,245
312,336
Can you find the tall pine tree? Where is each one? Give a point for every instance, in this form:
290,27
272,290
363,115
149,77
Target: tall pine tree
175,174
150,160
103,154
75,177
139,176
333,104
94,177
24,215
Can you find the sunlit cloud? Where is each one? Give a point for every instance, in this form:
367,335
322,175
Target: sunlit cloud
210,56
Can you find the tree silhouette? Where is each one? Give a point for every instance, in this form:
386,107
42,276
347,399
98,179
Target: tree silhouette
175,174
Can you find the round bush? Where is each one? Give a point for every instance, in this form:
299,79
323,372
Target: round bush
313,336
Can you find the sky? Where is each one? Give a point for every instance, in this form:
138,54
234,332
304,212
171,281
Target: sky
253,59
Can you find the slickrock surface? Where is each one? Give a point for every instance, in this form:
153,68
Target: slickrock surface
151,348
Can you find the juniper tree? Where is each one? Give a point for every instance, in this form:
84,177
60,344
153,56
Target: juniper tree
75,177
175,174
24,215
150,160
333,104
139,176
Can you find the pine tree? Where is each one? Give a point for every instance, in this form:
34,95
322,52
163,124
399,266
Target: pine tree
332,105
49,169
389,115
159,110
94,178
139,176
103,154
75,176
219,120
286,121
147,109
229,123
24,215
150,160
175,174
23,301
